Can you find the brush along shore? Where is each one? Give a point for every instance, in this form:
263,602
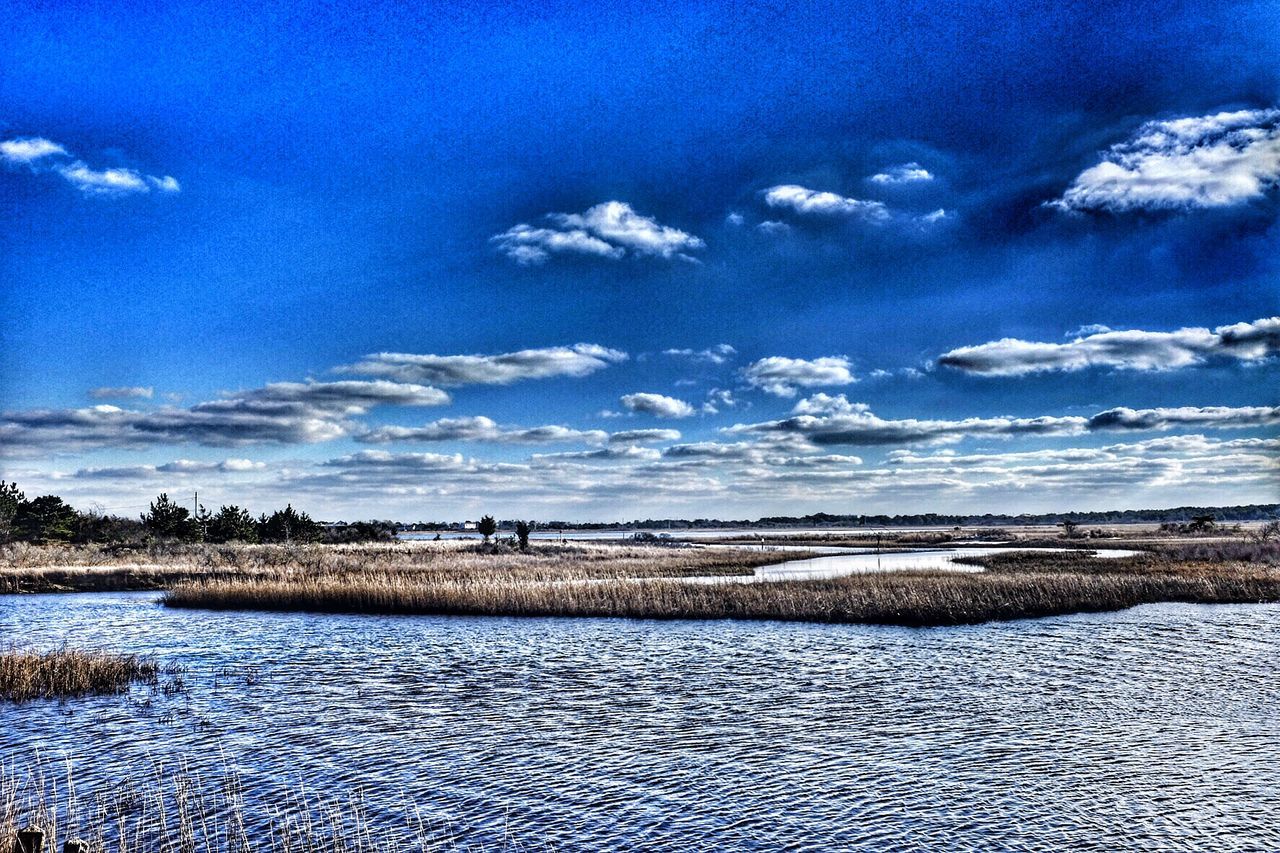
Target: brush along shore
1012,586
92,568
636,581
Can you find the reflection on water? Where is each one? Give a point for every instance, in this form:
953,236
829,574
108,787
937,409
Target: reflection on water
1154,728
837,562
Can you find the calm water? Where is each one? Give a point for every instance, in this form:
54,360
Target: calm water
1157,728
861,561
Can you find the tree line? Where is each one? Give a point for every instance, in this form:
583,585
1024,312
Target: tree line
48,518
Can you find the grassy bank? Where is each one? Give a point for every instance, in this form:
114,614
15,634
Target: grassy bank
26,675
1013,586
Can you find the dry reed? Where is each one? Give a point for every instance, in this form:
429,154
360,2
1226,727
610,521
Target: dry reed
1016,586
29,569
27,674
174,809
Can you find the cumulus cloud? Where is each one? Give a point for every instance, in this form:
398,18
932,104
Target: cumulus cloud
482,429
657,405
503,369
805,201
44,155
823,420
610,230
906,173
718,354
783,376
279,413
1122,350
27,150
1197,162
121,392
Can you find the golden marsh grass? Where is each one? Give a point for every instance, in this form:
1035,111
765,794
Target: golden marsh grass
27,674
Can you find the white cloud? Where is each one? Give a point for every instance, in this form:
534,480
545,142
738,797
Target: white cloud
718,354
37,152
824,420
1123,350
1212,417
103,181
27,150
657,405
482,429
503,369
122,392
1197,162
773,228
644,436
279,413
806,201
610,230
176,468
605,454
717,399
781,376
906,173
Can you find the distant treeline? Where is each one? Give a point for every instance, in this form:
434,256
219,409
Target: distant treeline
48,518
1220,514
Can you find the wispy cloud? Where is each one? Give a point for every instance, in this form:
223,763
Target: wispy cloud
177,468
501,369
610,230
658,405
718,354
906,173
802,200
824,420
644,436
44,155
122,392
483,429
1198,162
1123,350
782,376
279,413
27,150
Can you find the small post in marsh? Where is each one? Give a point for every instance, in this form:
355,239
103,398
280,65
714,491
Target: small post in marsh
30,840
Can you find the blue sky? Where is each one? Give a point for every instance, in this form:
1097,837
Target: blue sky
888,257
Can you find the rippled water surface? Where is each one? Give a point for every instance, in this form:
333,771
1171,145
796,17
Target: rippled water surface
1154,728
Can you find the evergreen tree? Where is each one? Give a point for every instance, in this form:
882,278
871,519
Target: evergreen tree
10,498
232,524
288,525
168,520
45,519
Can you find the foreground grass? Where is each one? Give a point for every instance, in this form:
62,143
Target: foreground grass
173,808
26,675
1014,586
